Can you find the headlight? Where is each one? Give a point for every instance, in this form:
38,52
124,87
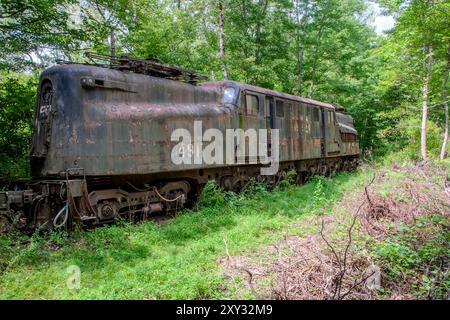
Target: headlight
229,95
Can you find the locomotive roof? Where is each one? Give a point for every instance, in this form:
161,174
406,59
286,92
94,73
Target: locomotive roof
244,86
208,85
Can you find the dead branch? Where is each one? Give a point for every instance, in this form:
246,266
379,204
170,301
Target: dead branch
341,260
226,249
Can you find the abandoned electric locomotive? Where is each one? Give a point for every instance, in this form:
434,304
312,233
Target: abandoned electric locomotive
102,141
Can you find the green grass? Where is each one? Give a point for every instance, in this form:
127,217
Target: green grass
176,260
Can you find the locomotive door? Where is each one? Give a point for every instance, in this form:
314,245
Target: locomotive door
251,118
42,126
269,113
332,144
322,133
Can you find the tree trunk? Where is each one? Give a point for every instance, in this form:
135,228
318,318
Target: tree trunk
445,97
259,24
299,49
316,56
299,45
112,36
444,143
222,40
425,95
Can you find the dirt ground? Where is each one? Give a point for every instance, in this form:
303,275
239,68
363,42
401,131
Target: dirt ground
336,262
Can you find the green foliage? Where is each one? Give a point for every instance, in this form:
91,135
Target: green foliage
18,250
412,132
212,196
404,55
34,33
26,24
319,192
405,135
288,180
17,100
254,188
417,254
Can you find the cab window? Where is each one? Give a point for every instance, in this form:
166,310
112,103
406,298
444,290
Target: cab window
316,117
328,117
279,109
252,102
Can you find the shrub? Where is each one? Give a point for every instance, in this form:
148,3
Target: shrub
418,254
212,195
413,132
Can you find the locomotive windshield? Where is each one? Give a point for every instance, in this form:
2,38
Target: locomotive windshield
229,95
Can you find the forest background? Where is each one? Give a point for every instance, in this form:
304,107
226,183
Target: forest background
394,84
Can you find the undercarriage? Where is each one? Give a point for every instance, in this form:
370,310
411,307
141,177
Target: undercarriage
62,203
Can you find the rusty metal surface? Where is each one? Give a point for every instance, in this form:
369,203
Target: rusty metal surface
100,132
151,67
110,122
269,92
102,146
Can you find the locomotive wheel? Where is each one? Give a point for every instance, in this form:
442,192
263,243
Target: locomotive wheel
301,177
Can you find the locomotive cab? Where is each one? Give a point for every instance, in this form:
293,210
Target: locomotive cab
42,125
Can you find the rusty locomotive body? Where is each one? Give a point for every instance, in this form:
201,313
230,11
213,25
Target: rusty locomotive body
102,146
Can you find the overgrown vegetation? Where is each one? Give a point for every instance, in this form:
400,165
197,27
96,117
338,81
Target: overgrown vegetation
17,101
417,256
175,259
236,238
385,239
